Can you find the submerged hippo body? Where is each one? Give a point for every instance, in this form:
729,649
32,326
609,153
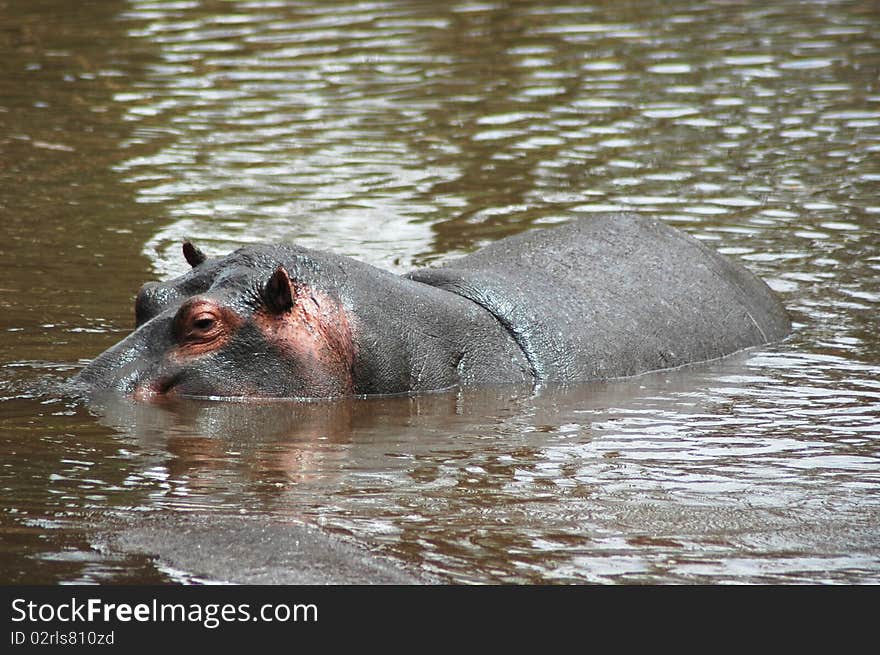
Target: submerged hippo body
606,296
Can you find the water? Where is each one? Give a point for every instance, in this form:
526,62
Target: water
404,134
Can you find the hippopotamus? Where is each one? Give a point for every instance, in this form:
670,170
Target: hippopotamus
602,296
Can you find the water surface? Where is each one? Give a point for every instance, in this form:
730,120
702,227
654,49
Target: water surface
404,134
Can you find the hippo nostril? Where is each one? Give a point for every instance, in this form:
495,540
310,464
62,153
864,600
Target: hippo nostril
145,304
159,388
164,385
152,299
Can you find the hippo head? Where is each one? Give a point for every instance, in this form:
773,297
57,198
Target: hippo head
253,324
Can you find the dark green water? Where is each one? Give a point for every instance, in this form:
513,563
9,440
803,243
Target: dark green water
402,134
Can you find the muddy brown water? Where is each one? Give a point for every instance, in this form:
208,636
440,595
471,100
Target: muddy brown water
403,134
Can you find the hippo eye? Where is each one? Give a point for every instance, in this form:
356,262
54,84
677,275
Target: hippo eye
199,323
202,326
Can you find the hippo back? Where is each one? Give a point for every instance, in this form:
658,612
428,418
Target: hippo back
613,295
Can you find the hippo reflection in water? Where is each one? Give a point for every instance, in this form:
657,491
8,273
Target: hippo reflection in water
605,296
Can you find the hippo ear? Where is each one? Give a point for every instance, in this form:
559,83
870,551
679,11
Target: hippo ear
192,254
278,292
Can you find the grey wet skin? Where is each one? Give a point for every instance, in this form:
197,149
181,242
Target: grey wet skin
256,550
612,296
605,296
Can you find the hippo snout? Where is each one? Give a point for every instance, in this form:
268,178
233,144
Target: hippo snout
131,365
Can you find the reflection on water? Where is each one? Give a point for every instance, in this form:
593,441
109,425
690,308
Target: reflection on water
402,134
